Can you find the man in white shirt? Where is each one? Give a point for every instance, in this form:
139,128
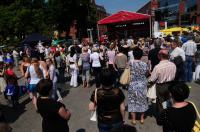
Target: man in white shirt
177,51
162,74
178,57
190,49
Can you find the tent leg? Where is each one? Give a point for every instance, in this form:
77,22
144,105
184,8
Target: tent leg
150,26
98,32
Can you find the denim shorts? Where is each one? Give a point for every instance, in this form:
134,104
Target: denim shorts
32,88
107,127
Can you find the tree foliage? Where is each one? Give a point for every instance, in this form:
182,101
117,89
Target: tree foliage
19,18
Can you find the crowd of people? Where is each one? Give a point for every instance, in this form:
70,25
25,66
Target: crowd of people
172,61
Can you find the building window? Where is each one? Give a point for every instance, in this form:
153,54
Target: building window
191,5
164,3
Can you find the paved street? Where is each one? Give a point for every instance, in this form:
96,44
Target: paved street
25,118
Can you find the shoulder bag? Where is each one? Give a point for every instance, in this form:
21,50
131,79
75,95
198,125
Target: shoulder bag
80,61
196,127
126,76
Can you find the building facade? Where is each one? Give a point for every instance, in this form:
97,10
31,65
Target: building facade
178,12
146,9
101,14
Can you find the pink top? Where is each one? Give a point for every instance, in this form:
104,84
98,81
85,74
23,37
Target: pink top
111,56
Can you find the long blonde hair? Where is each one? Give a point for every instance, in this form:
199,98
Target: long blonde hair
37,69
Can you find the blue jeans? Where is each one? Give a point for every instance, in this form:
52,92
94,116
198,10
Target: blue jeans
188,69
107,127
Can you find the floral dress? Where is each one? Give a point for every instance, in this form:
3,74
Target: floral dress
137,91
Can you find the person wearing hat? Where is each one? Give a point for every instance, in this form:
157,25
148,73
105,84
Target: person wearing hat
182,115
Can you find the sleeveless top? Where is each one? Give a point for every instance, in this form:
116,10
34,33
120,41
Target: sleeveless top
34,79
86,61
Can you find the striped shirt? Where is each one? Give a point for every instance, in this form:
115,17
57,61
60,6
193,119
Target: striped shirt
163,72
190,47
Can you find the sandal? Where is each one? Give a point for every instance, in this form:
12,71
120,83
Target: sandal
142,121
133,122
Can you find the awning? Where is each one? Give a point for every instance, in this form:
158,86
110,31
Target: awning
123,16
35,38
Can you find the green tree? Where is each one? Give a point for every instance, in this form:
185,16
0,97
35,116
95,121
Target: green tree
19,18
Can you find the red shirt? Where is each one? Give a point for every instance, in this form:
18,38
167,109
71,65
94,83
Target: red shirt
10,72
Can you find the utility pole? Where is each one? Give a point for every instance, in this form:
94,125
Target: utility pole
90,34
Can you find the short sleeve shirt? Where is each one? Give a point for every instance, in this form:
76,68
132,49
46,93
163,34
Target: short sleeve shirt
52,121
108,105
94,57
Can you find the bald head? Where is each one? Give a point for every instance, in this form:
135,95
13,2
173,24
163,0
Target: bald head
163,54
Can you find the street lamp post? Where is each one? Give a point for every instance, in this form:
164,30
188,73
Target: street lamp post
90,34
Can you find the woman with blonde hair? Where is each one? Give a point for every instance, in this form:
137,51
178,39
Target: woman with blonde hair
35,74
85,57
95,59
25,63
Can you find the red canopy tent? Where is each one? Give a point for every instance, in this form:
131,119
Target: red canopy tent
123,16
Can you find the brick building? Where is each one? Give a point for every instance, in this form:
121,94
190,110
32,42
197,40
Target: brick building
146,9
101,13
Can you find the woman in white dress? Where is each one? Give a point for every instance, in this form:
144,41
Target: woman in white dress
72,57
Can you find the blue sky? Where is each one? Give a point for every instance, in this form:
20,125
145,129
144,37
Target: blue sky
113,6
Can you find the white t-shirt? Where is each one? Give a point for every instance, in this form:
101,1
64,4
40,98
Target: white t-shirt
72,59
177,52
94,57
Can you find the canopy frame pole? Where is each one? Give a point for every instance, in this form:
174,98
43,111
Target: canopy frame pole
150,26
98,34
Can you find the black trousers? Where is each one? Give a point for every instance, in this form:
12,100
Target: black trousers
97,72
163,95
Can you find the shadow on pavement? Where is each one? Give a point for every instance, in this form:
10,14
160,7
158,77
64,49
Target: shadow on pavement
81,130
150,112
12,114
64,93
